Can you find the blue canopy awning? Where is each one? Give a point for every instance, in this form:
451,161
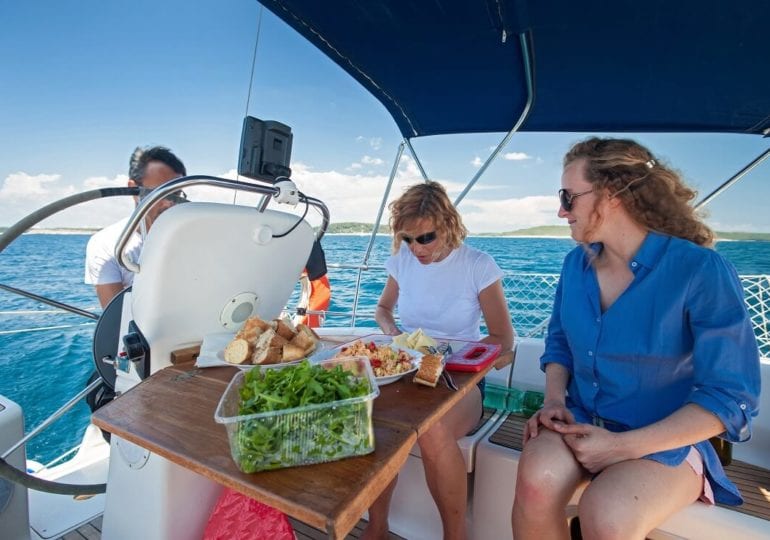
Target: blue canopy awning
444,66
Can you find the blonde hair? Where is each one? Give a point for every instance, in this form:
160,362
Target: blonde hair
427,200
654,195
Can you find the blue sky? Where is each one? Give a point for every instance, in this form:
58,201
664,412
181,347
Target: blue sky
84,82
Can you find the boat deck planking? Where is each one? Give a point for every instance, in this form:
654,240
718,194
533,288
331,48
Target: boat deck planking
93,531
90,531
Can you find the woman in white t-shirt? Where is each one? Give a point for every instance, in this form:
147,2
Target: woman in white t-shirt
444,287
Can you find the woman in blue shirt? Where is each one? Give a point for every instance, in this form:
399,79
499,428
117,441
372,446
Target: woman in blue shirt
650,352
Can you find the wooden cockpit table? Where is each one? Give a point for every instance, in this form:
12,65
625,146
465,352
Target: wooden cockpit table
171,413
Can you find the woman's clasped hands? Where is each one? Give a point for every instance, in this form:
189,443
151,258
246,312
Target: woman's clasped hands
594,447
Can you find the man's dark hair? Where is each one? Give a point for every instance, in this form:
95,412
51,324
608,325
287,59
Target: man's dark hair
137,165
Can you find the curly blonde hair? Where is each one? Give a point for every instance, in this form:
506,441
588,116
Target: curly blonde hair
427,200
653,194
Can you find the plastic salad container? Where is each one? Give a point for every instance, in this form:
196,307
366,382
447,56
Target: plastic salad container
313,433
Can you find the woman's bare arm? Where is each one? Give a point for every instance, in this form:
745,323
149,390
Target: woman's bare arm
554,411
596,448
496,316
384,312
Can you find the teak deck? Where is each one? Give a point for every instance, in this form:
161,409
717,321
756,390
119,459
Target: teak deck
329,496
93,531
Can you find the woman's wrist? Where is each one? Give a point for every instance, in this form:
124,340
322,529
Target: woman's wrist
627,445
554,400
390,329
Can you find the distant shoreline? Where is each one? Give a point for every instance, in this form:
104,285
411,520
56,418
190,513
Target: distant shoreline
524,233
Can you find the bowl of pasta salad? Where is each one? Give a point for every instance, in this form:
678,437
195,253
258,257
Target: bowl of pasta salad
389,362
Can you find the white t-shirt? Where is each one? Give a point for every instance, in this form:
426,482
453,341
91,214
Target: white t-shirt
101,265
442,298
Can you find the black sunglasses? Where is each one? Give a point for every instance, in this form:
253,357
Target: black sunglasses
423,239
566,198
175,198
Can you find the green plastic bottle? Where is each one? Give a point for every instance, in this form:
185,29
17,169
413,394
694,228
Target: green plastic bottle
532,402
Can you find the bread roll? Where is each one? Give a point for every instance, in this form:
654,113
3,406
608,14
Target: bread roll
238,351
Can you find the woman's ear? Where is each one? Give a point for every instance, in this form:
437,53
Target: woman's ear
612,200
131,183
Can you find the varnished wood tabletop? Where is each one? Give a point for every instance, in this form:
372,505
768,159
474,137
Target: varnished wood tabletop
172,414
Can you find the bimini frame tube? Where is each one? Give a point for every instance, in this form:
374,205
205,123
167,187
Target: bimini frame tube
365,262
417,161
737,176
526,56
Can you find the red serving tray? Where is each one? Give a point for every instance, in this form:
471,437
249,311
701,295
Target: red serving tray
471,355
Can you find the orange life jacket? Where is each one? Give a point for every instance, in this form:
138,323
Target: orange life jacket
320,298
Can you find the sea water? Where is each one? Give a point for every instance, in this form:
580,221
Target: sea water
45,359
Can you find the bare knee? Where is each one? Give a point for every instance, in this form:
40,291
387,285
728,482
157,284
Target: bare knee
536,489
435,441
547,477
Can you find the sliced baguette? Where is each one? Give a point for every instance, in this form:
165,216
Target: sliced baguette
238,351
269,355
292,352
285,329
307,330
430,370
304,340
266,346
252,329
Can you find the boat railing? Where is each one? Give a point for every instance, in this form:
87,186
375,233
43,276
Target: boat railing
756,293
530,300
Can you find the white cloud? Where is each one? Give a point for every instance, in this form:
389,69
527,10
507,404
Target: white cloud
22,193
509,156
516,156
21,186
509,214
357,197
368,160
96,182
374,142
350,196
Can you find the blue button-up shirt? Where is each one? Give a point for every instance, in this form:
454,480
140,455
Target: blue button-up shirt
679,334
